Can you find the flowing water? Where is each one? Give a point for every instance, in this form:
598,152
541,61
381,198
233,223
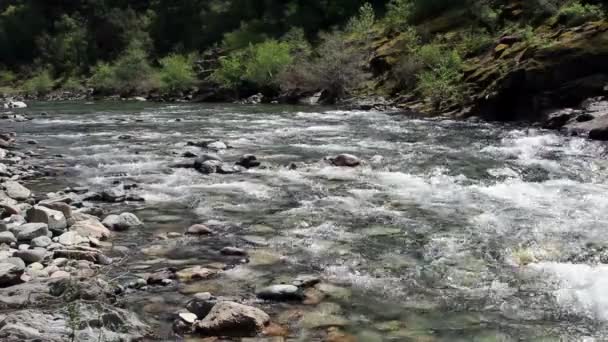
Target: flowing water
462,231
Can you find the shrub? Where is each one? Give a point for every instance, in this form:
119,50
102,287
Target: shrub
133,72
363,22
103,79
336,69
7,78
441,80
406,72
242,38
177,73
398,14
474,42
39,85
130,73
575,13
230,71
259,65
298,44
266,61
72,84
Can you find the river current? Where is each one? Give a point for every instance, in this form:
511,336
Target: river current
450,231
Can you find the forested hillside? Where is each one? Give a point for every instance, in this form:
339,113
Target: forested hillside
444,52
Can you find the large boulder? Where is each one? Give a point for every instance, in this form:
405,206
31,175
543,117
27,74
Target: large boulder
114,195
31,256
30,231
59,205
55,220
232,319
121,222
10,274
16,191
208,166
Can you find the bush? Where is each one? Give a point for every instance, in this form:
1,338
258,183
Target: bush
259,65
245,36
398,14
266,61
7,78
39,85
72,84
177,73
230,71
103,79
298,44
130,73
441,80
406,72
336,69
474,42
363,22
575,13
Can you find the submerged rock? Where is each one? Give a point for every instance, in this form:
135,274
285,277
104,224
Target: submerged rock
234,251
280,293
345,160
199,229
233,320
248,161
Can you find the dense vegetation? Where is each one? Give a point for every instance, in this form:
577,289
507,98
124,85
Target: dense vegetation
272,46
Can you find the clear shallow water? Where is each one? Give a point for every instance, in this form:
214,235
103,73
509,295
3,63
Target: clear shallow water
464,231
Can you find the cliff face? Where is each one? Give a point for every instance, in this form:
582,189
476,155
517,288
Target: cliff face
521,81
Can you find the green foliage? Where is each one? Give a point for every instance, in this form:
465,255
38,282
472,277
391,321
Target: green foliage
230,71
66,50
242,38
266,61
441,80
72,84
298,44
39,85
337,68
474,42
130,73
177,73
398,14
259,64
103,78
7,78
363,22
575,13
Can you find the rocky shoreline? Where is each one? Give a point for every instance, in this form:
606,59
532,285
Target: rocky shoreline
57,256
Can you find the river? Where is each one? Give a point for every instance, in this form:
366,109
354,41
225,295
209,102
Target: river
451,231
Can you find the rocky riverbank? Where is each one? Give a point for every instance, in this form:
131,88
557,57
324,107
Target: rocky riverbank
59,265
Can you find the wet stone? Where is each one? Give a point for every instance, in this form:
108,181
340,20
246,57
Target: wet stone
280,293
233,251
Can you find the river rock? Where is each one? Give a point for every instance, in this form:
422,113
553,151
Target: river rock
113,195
233,320
59,205
233,251
72,238
208,167
217,145
280,293
248,161
4,170
16,261
16,191
10,274
87,255
227,169
41,241
306,280
199,229
10,209
189,154
187,317
91,228
201,305
55,220
160,276
345,160
121,222
7,238
196,273
30,231
31,255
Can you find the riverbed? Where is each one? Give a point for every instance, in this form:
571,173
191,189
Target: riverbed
449,231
